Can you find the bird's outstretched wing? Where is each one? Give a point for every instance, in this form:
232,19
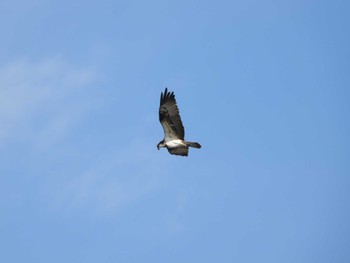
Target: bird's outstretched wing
169,117
179,151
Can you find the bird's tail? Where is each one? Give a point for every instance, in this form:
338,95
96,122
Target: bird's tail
193,144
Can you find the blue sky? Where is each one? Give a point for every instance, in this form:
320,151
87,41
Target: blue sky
262,85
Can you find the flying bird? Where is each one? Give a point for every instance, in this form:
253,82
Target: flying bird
174,132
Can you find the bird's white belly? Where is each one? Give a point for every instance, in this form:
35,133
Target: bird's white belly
175,143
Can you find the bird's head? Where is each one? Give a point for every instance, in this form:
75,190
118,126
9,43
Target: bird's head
160,144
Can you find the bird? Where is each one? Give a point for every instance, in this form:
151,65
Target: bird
174,132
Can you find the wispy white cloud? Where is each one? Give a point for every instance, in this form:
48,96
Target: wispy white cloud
109,184
40,105
40,94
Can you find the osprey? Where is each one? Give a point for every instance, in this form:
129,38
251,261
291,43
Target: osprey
174,133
